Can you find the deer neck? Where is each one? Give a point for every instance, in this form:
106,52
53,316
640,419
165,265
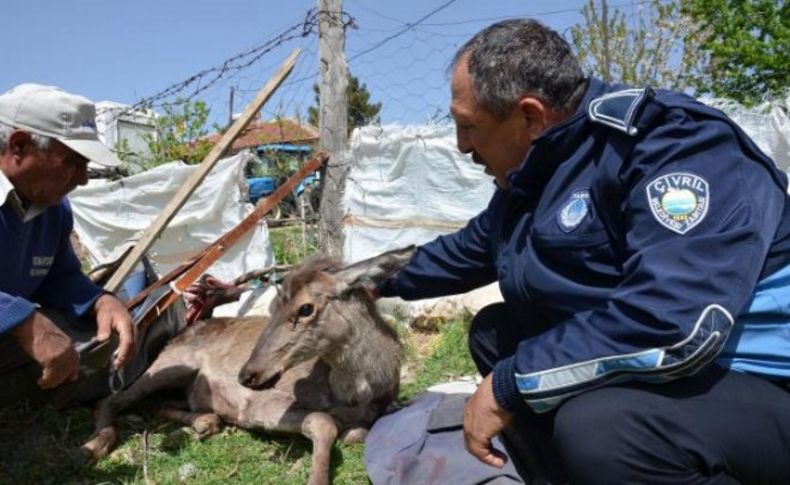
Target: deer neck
367,365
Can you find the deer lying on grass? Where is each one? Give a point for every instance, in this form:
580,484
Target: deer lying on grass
325,363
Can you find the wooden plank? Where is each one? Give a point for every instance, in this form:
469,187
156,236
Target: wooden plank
179,199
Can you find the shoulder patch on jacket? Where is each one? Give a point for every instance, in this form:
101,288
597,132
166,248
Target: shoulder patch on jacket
679,201
618,109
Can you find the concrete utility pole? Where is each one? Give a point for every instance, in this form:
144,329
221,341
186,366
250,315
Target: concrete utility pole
332,121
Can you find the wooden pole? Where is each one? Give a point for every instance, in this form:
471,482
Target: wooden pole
179,199
333,121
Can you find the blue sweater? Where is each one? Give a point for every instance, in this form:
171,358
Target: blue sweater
38,266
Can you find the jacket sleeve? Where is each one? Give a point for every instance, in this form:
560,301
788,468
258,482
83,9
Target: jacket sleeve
683,280
13,311
450,264
66,287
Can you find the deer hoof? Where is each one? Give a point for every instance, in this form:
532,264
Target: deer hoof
99,445
207,425
354,436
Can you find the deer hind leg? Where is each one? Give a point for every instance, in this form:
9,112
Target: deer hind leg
354,420
162,374
353,436
205,424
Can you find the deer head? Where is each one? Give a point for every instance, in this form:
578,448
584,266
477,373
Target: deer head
315,312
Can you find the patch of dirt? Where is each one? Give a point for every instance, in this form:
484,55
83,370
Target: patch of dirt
420,343
423,342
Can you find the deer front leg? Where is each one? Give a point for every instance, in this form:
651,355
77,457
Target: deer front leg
280,412
321,429
205,424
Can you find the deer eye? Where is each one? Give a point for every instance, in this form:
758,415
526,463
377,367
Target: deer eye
305,310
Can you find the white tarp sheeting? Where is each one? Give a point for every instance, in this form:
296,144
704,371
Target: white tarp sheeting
408,185
110,215
767,124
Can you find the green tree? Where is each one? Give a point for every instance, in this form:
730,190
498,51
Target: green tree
656,45
361,111
181,132
748,44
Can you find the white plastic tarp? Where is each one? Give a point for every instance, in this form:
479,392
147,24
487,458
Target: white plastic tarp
767,124
408,185
110,215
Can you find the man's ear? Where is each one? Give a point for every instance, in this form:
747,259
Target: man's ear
18,142
536,115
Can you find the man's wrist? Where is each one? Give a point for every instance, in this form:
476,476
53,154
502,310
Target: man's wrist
104,299
504,387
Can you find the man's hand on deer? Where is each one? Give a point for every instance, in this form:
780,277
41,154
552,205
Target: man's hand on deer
111,316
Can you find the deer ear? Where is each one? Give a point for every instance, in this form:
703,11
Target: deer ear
370,272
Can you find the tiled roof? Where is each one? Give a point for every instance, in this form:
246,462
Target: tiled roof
283,130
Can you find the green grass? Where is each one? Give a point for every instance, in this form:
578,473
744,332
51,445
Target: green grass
40,445
449,360
290,245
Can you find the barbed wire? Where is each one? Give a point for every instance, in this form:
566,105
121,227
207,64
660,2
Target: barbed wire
207,78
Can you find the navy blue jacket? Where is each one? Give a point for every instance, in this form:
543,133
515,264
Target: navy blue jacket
631,238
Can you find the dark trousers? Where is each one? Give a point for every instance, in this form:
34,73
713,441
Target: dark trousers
19,372
714,427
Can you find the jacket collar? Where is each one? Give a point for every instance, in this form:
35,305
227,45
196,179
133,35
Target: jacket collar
8,196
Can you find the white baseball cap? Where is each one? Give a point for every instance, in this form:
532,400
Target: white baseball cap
50,111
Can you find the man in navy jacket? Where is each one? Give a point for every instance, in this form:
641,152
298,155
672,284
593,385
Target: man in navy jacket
640,241
47,137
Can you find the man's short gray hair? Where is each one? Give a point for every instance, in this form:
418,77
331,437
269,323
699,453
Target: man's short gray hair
518,57
41,141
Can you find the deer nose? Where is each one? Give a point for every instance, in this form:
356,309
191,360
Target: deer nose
247,378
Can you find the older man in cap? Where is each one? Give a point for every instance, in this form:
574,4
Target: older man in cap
47,305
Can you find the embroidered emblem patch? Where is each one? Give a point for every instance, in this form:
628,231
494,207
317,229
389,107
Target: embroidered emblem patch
679,201
574,210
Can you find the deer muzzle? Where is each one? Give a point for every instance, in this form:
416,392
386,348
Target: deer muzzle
257,381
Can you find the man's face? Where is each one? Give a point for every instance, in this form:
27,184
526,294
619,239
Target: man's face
46,176
499,145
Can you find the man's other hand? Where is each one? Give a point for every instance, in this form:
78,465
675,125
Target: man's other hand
484,418
51,348
111,316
